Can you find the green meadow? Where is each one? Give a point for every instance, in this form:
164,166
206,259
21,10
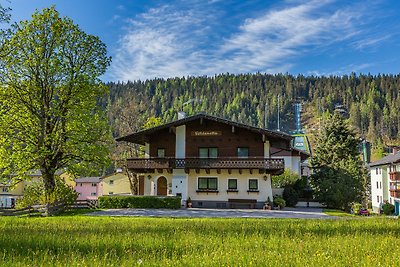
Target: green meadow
121,241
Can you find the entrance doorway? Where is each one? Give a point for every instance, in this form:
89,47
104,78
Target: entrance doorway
162,188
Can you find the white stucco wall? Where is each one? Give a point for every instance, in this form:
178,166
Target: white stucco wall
180,143
179,183
292,163
266,149
146,150
264,186
377,186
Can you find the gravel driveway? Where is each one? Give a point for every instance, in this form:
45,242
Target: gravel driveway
301,213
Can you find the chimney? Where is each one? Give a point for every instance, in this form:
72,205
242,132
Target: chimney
395,150
181,115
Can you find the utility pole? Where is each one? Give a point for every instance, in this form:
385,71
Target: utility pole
265,115
278,112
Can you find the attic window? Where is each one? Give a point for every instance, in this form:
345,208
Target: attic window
111,182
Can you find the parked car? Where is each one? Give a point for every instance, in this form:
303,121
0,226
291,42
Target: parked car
363,211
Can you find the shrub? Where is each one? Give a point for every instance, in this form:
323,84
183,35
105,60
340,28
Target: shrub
388,209
34,194
291,196
287,177
356,207
279,202
141,202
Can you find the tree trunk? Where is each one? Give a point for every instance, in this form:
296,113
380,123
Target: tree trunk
49,184
133,182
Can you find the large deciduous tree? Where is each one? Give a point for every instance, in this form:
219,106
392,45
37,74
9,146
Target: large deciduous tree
49,93
339,178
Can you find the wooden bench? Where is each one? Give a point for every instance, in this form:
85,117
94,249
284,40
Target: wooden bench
248,203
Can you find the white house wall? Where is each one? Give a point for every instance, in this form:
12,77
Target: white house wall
266,149
292,163
264,186
180,142
179,183
377,192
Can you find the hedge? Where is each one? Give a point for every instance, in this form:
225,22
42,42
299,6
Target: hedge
140,202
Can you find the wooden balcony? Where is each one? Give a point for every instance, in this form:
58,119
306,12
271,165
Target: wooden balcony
394,176
263,165
395,193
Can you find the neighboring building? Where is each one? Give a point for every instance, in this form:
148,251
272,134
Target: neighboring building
88,188
385,182
115,184
214,161
9,192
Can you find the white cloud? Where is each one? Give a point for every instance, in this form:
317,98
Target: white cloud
344,70
371,42
173,40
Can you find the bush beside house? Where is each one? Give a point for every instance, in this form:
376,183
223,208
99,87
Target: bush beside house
291,196
142,202
388,209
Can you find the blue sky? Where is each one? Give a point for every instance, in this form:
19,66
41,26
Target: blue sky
149,39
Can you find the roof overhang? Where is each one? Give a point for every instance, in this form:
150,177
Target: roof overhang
142,137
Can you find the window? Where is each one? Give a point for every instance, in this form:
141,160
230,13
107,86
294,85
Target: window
381,199
380,185
208,152
94,184
81,184
232,184
206,183
243,152
253,185
377,199
111,182
5,189
161,152
111,193
377,184
93,194
376,170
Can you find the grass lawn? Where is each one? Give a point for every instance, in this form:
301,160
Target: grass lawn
338,213
117,241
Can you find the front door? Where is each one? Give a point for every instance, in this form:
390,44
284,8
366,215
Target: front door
162,186
141,185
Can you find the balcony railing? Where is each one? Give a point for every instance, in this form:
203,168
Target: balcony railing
206,163
394,176
395,193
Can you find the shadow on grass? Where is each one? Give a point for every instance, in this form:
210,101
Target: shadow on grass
74,212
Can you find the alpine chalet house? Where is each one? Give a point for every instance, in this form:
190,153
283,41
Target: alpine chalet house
215,162
385,181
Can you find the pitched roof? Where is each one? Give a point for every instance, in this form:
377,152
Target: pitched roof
88,180
393,158
140,137
39,172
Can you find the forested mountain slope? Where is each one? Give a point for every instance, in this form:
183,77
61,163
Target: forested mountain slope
373,102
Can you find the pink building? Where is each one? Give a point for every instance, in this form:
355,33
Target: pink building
88,188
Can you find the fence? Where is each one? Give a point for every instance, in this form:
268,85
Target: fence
49,209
